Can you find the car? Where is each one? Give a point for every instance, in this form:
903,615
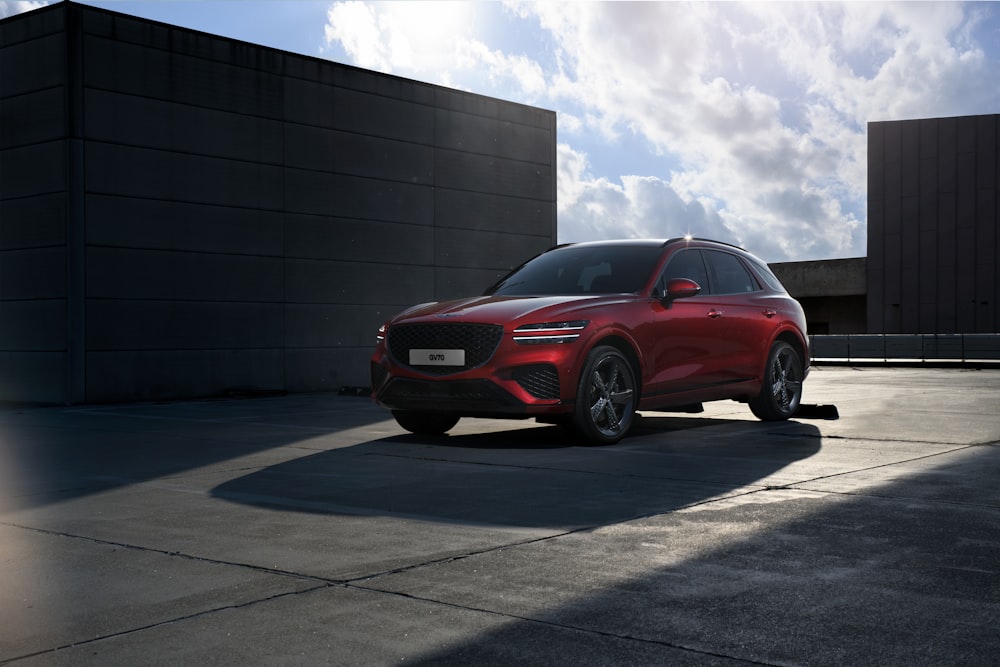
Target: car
584,335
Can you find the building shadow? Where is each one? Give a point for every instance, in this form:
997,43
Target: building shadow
902,573
49,455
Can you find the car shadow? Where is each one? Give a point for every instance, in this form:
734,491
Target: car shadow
530,477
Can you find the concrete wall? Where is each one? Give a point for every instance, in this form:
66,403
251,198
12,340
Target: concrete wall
832,293
932,226
227,217
35,203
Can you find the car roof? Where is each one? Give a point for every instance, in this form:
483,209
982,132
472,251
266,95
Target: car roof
647,243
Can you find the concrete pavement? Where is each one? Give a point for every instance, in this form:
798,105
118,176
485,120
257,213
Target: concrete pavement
312,530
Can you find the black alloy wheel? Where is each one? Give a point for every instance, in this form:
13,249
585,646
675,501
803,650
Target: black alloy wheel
781,390
605,399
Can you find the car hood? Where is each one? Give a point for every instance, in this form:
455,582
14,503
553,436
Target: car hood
509,309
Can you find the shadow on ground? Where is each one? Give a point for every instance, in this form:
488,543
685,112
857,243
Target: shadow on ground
904,574
49,455
530,477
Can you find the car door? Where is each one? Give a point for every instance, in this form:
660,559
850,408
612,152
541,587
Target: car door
677,337
739,332
705,341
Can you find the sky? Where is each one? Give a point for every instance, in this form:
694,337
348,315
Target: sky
744,122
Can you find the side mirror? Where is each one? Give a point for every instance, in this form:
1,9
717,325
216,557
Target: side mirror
680,288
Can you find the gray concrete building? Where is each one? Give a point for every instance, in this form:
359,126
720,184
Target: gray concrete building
932,226
186,215
832,293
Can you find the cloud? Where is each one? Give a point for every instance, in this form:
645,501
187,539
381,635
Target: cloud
634,207
12,7
746,120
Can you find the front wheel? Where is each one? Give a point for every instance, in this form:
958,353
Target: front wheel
781,390
605,398
425,423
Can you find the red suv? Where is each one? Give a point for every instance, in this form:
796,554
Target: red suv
584,335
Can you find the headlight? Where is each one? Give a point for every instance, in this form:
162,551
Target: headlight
380,335
548,333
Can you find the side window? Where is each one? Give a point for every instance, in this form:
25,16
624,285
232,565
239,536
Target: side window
730,276
686,264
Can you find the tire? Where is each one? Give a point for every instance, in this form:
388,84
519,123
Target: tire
605,398
781,389
425,423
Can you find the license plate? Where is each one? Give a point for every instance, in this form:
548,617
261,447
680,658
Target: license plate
437,357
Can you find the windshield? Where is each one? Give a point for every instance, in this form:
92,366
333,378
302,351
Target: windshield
582,270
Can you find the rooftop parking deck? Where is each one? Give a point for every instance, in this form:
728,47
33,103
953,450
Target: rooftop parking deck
310,529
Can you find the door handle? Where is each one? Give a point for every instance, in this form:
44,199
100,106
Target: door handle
770,312
716,314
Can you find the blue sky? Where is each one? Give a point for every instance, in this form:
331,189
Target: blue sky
745,122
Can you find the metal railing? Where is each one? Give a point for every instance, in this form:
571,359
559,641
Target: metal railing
908,348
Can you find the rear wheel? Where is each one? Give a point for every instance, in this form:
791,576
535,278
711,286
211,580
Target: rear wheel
781,391
605,399
425,423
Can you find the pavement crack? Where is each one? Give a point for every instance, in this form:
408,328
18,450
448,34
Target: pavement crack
178,554
565,626
880,466
157,624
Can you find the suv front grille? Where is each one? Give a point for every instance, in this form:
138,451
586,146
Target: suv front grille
479,341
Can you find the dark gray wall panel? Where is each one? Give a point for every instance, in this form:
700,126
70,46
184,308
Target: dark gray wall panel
491,136
327,369
119,273
322,105
33,223
312,281
183,325
34,26
164,175
351,239
131,30
932,239
490,107
33,259
33,326
384,85
32,118
320,193
309,102
481,211
35,273
33,170
331,326
142,122
170,75
386,116
486,173
346,153
493,250
145,375
33,377
32,65
166,225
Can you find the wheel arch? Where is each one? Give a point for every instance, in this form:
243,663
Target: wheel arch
624,346
792,338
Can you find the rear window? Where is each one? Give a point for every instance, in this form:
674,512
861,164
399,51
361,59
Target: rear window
765,273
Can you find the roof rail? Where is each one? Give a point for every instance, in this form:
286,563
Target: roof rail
697,238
